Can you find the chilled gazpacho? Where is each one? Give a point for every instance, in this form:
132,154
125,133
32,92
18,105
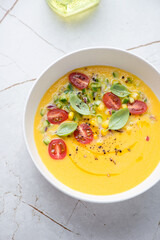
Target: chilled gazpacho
97,130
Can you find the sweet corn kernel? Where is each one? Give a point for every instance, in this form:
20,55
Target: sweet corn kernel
93,122
99,142
124,105
131,100
95,136
70,115
101,107
134,95
105,124
129,129
104,132
107,112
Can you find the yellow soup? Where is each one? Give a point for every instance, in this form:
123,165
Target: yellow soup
115,160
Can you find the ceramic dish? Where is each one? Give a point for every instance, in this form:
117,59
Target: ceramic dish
88,57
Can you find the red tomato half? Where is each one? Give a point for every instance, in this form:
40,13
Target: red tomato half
112,101
137,107
79,80
57,149
83,134
57,116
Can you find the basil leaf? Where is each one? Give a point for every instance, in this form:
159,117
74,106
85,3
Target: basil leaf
119,90
119,119
66,128
78,105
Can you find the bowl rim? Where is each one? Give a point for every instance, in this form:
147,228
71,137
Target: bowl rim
64,188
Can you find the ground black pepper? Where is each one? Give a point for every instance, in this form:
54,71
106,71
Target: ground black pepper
112,161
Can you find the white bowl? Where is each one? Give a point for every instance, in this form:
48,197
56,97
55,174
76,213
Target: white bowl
86,57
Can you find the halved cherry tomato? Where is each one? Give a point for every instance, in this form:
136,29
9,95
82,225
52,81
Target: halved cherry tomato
57,116
79,80
112,101
137,107
83,134
57,149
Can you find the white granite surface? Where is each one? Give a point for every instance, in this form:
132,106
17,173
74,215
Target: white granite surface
31,37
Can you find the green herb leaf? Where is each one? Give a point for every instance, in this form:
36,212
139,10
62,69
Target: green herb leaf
97,102
66,91
70,87
46,123
129,80
77,117
83,90
56,100
47,140
66,128
78,105
42,112
115,74
63,97
66,108
107,82
99,119
125,100
95,79
119,119
95,86
59,105
119,90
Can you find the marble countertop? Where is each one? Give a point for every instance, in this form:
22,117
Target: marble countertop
31,38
